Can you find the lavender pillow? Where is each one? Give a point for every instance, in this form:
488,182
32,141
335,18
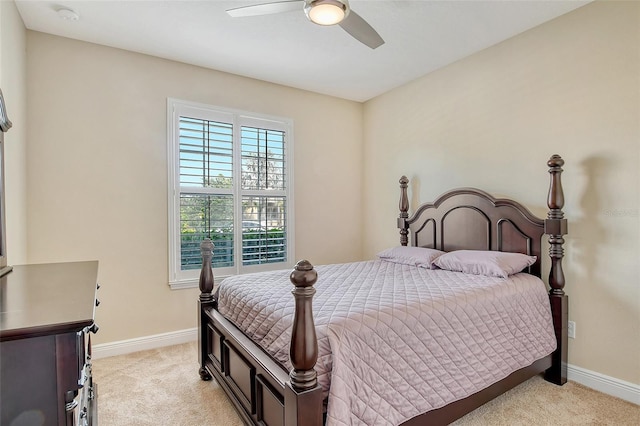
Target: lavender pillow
490,263
414,256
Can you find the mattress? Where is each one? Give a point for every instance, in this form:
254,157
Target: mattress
396,340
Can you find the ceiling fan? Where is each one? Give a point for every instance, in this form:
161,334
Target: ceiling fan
321,12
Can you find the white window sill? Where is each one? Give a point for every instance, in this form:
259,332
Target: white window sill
192,283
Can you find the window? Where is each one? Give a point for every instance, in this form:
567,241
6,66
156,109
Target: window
230,181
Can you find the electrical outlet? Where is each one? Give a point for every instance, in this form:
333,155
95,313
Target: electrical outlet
572,329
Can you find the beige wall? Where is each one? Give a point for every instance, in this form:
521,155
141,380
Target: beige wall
98,171
13,70
97,163
571,87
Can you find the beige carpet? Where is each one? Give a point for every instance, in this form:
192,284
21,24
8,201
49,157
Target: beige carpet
162,387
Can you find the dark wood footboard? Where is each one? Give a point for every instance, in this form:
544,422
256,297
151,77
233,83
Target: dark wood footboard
260,389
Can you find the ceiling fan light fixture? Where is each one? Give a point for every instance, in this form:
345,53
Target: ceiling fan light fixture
326,12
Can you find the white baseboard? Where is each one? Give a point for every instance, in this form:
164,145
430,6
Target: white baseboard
605,384
122,347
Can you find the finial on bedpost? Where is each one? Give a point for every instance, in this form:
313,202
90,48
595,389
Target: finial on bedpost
304,344
555,201
206,274
404,211
555,225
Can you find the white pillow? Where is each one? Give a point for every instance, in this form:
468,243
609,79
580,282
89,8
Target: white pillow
414,256
490,263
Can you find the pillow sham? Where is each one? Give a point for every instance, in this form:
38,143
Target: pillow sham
489,263
414,256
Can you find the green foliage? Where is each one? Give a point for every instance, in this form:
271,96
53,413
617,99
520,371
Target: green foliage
219,181
263,246
259,246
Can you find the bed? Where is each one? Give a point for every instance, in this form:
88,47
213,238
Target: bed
382,358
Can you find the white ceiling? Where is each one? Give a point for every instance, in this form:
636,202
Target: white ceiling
421,36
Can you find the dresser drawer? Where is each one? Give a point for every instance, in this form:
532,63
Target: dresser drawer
47,317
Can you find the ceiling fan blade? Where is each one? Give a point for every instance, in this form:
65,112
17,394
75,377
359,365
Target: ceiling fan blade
266,8
361,30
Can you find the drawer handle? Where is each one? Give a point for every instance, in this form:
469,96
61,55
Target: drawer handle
94,328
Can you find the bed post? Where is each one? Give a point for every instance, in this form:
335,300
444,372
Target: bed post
206,301
303,395
404,211
556,226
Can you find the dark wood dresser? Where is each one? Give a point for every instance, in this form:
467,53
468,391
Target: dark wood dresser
46,317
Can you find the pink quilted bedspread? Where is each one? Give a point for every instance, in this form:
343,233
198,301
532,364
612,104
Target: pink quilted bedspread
395,340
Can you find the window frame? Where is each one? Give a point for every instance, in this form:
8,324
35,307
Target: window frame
176,108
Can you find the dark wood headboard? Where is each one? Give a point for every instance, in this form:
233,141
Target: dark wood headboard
471,219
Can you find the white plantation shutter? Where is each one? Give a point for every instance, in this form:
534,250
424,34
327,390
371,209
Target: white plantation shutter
262,159
264,198
229,181
206,153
